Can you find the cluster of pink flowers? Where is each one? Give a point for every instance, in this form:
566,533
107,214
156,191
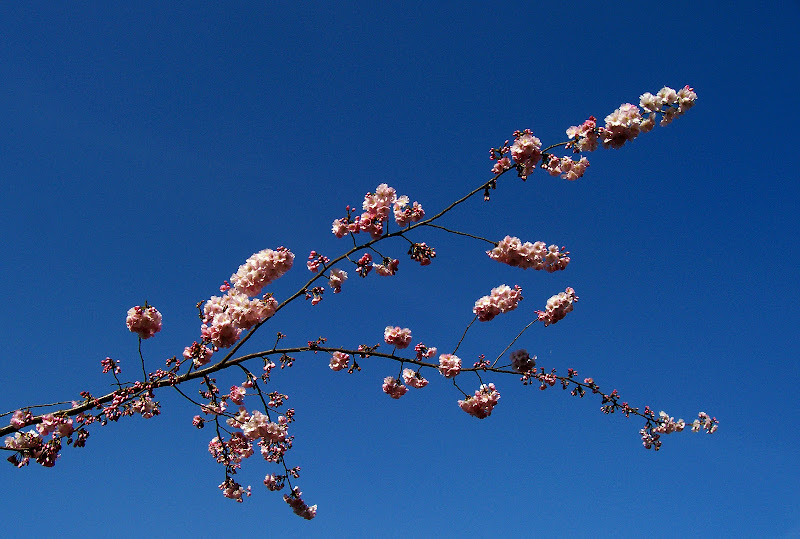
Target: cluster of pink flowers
258,426
339,361
502,299
424,351
526,151
299,506
482,403
146,321
224,318
397,336
336,279
233,490
273,482
622,125
668,425
377,207
705,421
388,268
677,104
584,136
315,260
558,306
146,406
404,214
393,387
414,379
568,168
56,425
449,365
521,361
198,353
261,269
30,445
110,365
528,255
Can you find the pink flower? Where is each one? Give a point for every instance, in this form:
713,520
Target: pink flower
233,490
584,136
379,203
237,394
622,126
557,307
146,321
393,388
482,403
502,299
389,267
337,278
405,215
299,506
261,269
449,365
399,337
199,354
340,228
526,152
414,379
339,361
528,255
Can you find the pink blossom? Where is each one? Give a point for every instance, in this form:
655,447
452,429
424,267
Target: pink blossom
449,365
233,490
584,136
339,361
528,255
199,354
237,394
261,269
389,267
299,506
399,337
315,260
414,379
60,425
502,299
340,228
482,403
223,332
20,418
405,215
394,388
557,307
622,126
502,165
526,152
273,483
145,406
336,279
146,321
566,167
379,203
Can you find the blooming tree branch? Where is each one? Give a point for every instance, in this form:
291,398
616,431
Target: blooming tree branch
231,319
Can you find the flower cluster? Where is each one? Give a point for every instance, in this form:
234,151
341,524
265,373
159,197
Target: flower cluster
233,490
336,279
502,299
261,269
526,151
705,421
414,379
198,353
224,318
399,337
339,361
393,387
482,403
583,137
299,506
377,206
558,306
528,255
146,321
449,365
677,104
315,260
568,168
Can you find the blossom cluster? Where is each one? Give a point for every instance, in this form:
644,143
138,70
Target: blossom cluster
502,299
225,317
299,506
568,168
521,361
482,403
558,306
393,387
528,255
261,269
146,321
377,206
449,365
397,336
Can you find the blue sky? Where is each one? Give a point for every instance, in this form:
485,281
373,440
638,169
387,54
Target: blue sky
148,150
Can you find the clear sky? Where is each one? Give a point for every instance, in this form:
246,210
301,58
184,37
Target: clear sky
148,150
